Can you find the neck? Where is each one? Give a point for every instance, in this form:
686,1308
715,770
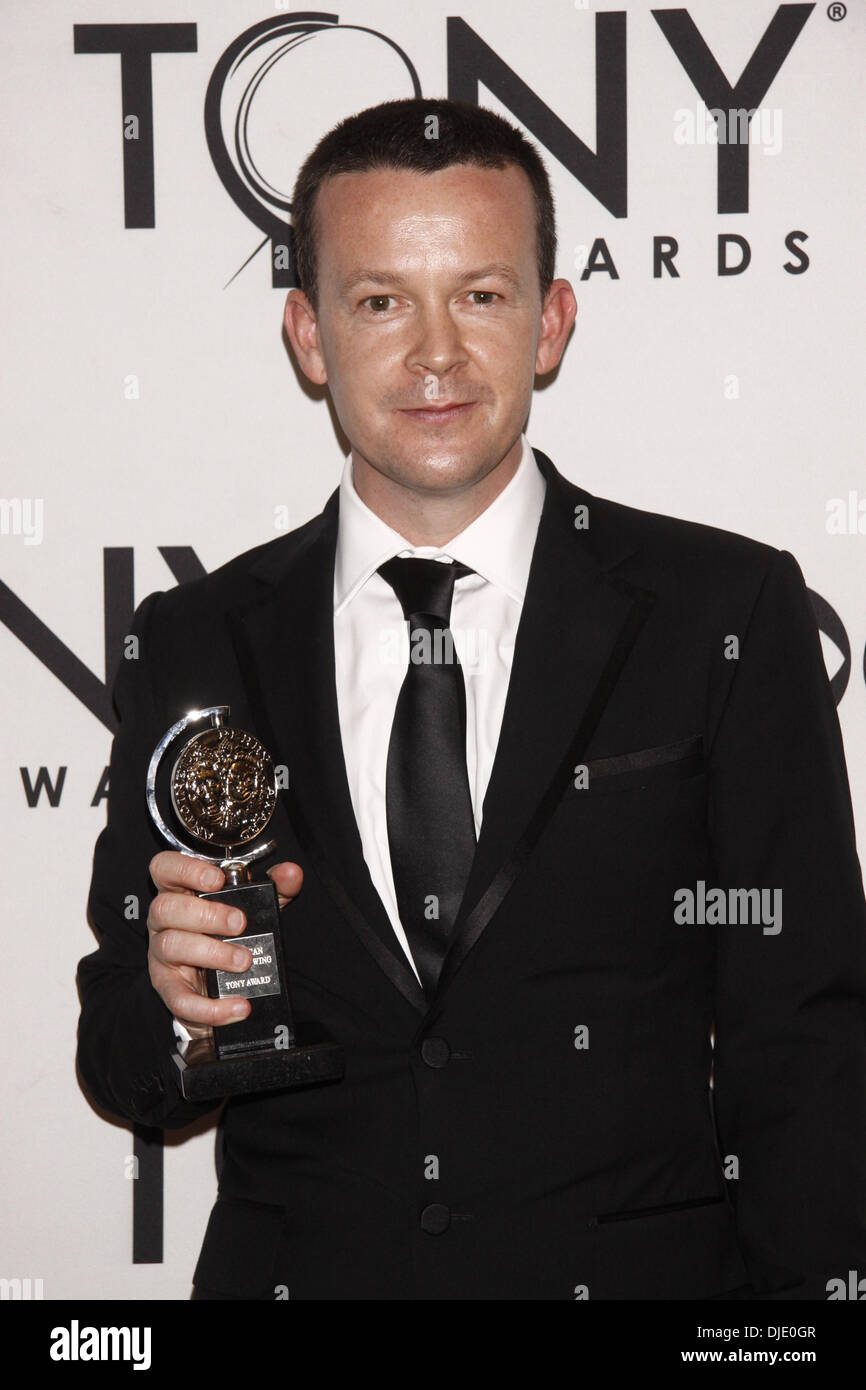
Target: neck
430,518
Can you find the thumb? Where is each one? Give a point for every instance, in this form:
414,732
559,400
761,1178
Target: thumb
287,879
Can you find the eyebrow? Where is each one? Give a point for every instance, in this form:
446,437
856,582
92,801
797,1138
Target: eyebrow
366,275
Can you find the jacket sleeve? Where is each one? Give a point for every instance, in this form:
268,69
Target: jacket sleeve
790,1004
125,1034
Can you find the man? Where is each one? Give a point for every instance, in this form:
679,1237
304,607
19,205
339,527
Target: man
487,863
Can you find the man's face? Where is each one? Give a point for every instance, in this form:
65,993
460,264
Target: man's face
428,297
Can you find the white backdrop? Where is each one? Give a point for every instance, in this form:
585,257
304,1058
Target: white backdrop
149,401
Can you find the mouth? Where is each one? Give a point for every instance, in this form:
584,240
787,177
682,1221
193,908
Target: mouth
439,414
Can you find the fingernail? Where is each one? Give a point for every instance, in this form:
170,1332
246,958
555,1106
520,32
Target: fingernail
236,919
241,958
212,878
239,1010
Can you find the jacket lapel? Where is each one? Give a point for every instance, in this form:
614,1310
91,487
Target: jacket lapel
285,649
576,630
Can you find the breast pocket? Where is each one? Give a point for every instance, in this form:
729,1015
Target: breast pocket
642,768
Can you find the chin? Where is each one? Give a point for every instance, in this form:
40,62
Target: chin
440,474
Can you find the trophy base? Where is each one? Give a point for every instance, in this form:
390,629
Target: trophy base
314,1057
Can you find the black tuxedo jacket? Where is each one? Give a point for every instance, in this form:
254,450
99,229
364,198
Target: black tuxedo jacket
546,1127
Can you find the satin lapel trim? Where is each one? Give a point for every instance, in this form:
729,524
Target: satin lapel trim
577,629
285,650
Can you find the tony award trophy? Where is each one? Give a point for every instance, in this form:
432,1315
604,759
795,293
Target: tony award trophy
222,791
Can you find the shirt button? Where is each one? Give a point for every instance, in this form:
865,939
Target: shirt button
435,1052
435,1219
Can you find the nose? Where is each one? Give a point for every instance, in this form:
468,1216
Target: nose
438,346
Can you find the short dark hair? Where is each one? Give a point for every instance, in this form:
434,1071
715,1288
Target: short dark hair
393,136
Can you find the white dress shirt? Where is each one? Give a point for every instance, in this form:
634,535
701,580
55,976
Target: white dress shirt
371,646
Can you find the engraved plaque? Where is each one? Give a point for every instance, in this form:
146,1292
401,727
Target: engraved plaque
262,976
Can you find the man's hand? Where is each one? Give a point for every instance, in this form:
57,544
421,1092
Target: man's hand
184,937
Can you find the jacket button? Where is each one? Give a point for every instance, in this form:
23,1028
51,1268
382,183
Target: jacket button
435,1052
435,1219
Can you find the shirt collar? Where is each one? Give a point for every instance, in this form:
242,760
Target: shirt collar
498,544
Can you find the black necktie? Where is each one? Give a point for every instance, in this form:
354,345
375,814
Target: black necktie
431,830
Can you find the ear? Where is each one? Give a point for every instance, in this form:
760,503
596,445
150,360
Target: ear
557,316
299,318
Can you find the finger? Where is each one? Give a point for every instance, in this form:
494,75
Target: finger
288,879
188,1006
186,912
181,872
176,947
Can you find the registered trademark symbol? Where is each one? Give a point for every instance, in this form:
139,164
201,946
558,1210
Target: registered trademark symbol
837,12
